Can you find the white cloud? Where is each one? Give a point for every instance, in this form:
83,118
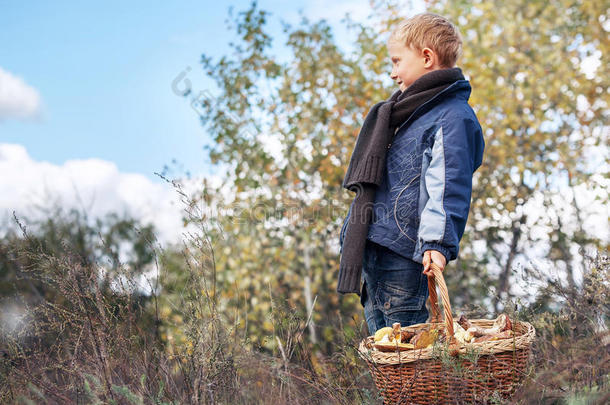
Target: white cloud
17,99
95,185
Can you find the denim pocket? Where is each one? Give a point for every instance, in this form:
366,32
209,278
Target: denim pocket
401,295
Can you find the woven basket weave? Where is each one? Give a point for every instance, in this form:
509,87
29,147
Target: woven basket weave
456,373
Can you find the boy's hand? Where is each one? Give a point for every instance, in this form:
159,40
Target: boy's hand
433,256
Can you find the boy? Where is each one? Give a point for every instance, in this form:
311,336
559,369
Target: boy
412,170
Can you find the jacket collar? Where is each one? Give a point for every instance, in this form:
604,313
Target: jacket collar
461,88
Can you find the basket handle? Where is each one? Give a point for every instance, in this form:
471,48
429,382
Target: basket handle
437,279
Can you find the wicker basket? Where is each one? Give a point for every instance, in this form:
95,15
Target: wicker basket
470,373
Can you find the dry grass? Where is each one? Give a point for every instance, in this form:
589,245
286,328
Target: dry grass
91,341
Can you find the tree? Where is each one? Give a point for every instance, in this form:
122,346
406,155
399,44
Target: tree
284,129
114,243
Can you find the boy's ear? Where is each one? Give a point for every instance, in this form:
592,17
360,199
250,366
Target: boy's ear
430,58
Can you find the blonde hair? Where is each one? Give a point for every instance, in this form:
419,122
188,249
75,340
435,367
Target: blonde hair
432,31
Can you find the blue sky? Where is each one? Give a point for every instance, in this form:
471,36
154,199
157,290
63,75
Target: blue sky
104,70
87,110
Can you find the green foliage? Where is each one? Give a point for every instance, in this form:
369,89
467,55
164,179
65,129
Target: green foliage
279,231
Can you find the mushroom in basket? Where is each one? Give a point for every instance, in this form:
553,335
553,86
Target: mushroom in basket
391,339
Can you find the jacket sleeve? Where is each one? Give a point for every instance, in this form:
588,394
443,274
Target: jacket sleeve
456,152
344,227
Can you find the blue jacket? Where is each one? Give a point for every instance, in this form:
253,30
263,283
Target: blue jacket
424,199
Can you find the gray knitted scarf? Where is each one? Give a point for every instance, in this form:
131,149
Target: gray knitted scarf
366,166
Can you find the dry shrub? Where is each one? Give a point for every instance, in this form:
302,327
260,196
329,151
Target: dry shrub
571,354
95,337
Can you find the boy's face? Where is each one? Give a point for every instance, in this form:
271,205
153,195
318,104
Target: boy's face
408,64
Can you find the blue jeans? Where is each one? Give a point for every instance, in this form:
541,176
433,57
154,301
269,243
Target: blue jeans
394,289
